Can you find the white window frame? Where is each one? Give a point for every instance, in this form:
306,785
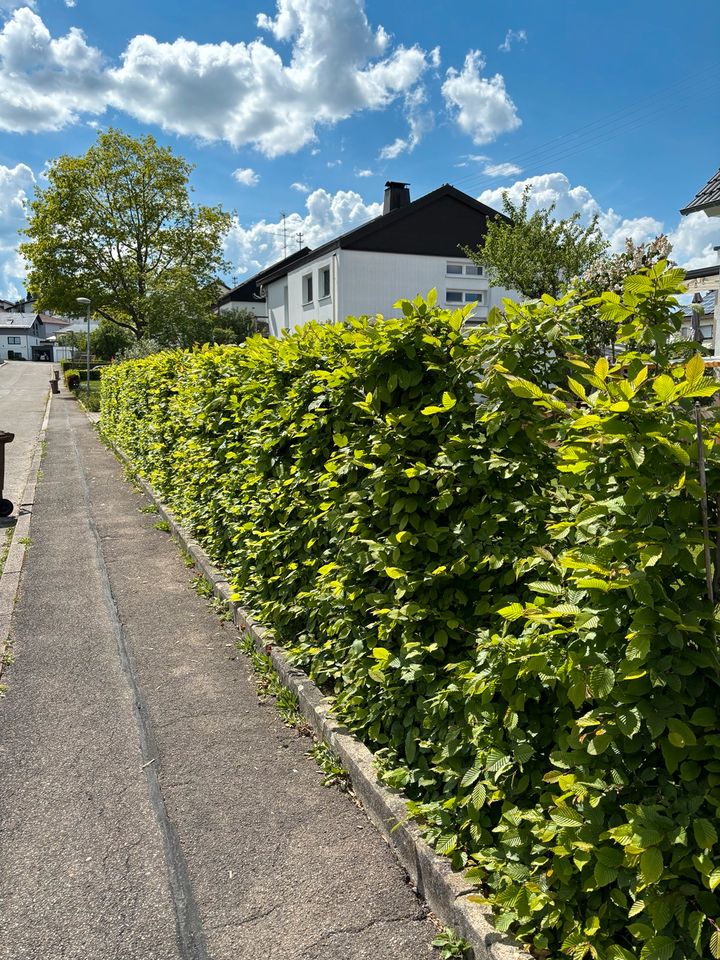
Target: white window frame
16,341
323,274
457,270
307,289
473,270
454,268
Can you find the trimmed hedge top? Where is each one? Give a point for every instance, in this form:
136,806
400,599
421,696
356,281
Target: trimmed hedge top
489,550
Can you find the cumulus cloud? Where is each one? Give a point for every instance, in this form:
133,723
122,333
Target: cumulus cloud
46,83
364,173
481,105
16,186
243,93
300,187
511,37
326,215
692,237
246,177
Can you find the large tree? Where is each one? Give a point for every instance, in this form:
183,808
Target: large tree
534,253
117,225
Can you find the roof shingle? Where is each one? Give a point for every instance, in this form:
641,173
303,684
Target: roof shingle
708,196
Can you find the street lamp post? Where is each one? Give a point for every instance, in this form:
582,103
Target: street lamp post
86,301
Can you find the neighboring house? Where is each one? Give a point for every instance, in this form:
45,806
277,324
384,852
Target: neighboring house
249,294
20,335
707,318
27,336
412,247
707,201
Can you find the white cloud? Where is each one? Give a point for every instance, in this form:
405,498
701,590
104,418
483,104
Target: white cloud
9,5
392,150
420,122
327,215
246,176
483,110
512,36
16,186
243,93
46,83
692,238
502,169
364,173
300,187
70,3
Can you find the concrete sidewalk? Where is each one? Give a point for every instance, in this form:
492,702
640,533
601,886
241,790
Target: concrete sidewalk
150,807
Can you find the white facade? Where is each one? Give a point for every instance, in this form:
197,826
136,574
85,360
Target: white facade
17,343
258,307
357,282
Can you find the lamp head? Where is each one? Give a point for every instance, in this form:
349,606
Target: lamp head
85,300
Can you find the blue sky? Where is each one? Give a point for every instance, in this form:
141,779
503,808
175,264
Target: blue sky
308,106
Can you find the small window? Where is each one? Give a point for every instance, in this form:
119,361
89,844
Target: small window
453,296
14,340
473,296
706,330
473,270
324,277
455,268
307,288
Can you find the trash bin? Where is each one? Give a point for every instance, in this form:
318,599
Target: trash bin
55,386
6,506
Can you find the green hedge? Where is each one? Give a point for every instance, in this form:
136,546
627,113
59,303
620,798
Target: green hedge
489,550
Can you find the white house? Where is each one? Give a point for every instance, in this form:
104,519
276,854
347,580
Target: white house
249,294
707,200
26,336
412,247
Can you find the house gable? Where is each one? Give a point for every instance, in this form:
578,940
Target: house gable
436,229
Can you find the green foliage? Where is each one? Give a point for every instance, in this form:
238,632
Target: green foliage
533,253
451,947
489,549
117,225
71,378
234,326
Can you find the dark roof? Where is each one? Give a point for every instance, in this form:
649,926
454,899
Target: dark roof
701,272
708,302
19,321
709,196
437,224
249,289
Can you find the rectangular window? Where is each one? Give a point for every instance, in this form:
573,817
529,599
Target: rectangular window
455,268
473,270
463,296
324,283
14,340
307,285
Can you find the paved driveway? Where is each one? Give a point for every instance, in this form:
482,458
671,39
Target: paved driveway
23,395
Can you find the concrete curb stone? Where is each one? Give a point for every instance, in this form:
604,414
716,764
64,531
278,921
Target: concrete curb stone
10,575
446,892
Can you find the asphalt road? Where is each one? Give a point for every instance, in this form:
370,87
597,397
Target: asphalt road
151,808
24,388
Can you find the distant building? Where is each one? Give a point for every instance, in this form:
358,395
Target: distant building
707,201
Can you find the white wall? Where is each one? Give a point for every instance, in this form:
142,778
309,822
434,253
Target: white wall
26,341
365,282
258,307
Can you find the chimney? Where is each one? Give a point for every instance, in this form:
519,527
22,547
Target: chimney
396,195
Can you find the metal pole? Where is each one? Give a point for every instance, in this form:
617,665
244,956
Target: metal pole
703,503
87,357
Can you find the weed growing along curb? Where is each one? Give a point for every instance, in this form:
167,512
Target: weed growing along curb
506,597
